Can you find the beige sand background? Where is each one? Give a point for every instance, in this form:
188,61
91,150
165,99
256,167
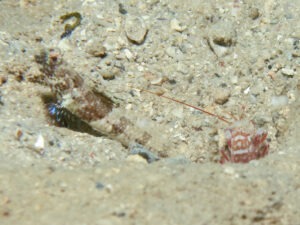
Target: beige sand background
237,57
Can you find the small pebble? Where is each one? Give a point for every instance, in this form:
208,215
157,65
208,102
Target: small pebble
99,185
136,30
19,134
136,158
223,34
3,80
288,72
122,10
221,95
254,13
140,150
107,75
229,170
97,51
175,25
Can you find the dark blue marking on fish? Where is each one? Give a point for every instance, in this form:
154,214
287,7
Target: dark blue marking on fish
64,118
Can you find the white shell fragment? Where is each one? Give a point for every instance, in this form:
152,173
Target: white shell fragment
288,72
40,143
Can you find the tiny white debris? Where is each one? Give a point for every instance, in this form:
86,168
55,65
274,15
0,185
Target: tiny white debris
247,90
279,37
83,35
229,170
128,106
109,188
140,68
40,143
157,81
128,54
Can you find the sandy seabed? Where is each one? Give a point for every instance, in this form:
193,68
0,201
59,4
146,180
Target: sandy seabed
238,58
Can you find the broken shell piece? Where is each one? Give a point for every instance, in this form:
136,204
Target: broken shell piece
158,81
288,72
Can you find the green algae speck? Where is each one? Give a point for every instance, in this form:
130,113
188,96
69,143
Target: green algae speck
70,27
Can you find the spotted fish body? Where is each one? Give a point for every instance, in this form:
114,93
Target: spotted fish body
243,144
77,105
71,91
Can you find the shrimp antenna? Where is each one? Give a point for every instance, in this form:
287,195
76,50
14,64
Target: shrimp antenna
186,104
